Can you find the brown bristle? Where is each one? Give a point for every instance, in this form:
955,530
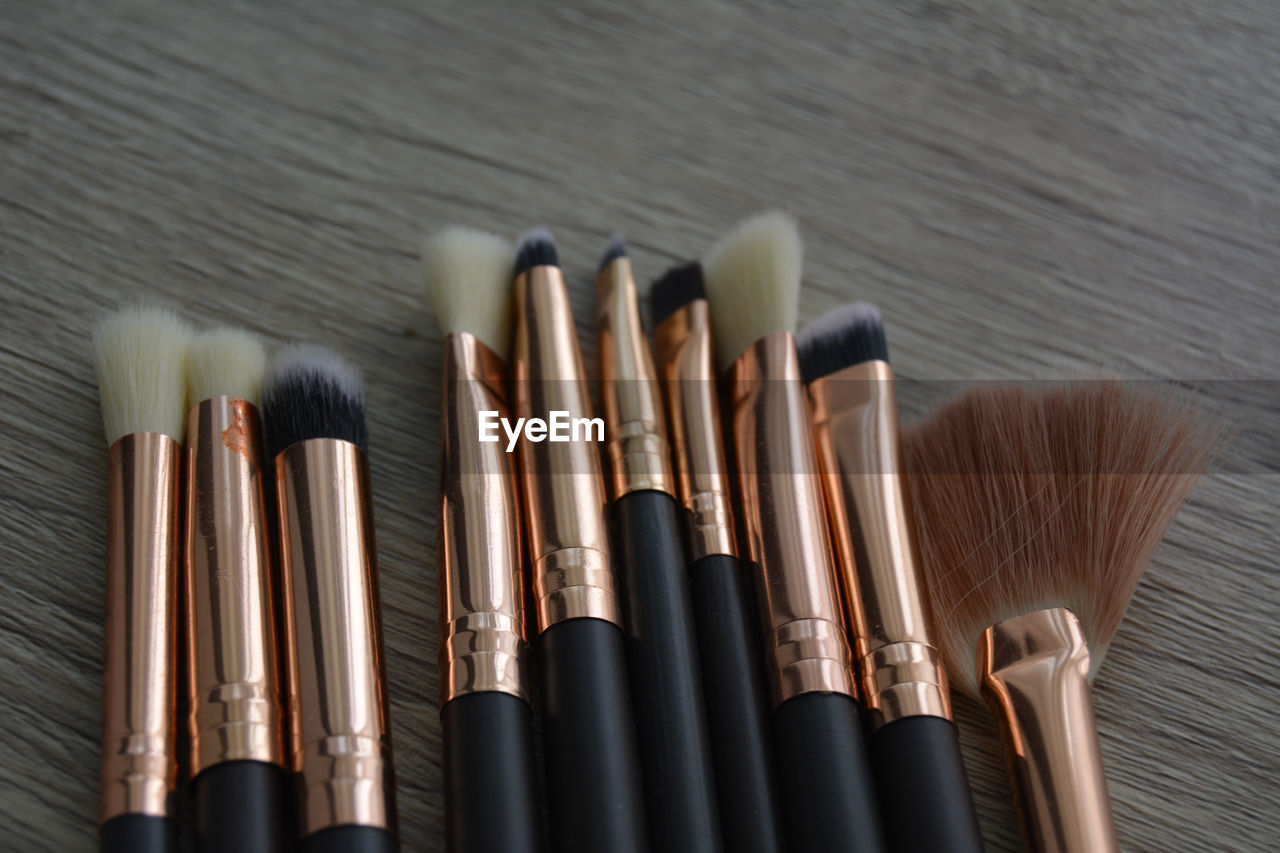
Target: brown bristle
1032,496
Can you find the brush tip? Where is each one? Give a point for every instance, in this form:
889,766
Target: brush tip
617,248
140,357
677,287
468,274
225,362
536,248
842,337
753,282
311,392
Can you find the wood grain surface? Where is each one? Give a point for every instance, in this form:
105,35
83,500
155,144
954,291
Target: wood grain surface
1025,192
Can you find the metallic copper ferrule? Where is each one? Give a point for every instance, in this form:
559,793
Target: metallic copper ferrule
482,628
784,522
1035,676
855,425
236,709
561,481
339,736
140,700
682,346
639,457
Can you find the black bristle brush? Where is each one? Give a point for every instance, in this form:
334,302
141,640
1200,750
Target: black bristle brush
340,735
594,796
912,742
724,609
662,648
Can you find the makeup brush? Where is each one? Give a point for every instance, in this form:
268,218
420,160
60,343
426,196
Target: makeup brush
593,772
662,649
1036,510
235,703
913,744
723,607
139,354
753,285
340,736
491,801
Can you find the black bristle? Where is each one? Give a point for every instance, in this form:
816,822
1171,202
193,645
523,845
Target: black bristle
310,392
677,288
617,248
843,337
537,248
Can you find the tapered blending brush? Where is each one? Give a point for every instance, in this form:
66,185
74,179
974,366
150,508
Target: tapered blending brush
339,732
1036,510
753,284
662,649
913,744
139,354
594,796
235,703
491,801
723,606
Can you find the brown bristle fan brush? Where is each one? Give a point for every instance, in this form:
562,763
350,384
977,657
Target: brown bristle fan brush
1036,509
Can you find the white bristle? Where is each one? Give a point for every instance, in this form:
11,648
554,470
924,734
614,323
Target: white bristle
468,275
140,356
753,282
225,362
304,362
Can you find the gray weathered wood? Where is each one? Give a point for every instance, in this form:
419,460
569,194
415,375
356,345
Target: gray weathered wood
1026,193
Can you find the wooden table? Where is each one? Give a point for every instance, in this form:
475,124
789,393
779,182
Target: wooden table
1025,193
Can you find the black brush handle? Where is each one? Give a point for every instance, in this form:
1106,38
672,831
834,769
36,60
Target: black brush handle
243,807
924,793
490,797
666,682
827,798
737,710
138,833
350,839
594,796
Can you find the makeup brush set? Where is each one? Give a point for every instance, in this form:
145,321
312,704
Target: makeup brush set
735,602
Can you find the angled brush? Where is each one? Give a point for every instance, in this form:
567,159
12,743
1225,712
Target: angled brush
662,649
753,285
491,800
914,747
723,606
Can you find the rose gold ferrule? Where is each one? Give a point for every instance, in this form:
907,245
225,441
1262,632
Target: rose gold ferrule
682,346
1035,677
140,701
783,519
482,633
561,481
639,457
236,709
339,738
855,424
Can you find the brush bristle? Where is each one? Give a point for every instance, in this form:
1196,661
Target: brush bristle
312,392
536,248
140,356
677,288
468,275
225,362
617,248
753,283
840,338
1025,498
